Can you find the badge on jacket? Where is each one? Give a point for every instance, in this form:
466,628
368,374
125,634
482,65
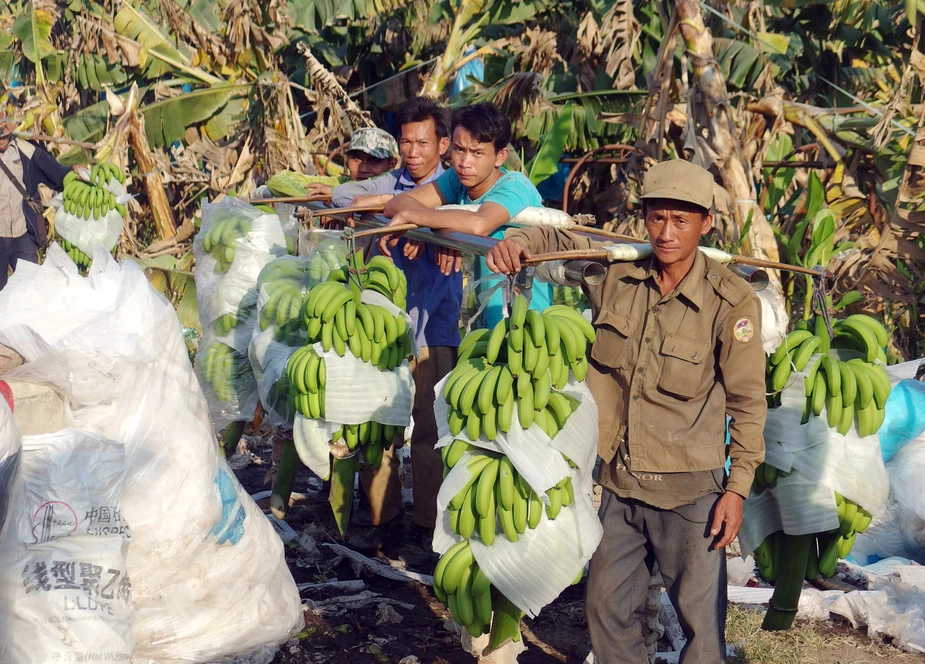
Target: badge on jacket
743,330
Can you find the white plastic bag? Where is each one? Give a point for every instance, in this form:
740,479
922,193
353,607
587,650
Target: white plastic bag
10,456
97,231
69,579
209,578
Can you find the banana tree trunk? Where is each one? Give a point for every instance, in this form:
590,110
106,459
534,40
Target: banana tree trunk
164,220
759,241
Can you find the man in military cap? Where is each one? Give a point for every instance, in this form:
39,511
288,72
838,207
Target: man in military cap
372,152
678,350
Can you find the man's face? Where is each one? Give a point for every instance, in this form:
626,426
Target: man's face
6,130
473,161
675,229
420,148
363,166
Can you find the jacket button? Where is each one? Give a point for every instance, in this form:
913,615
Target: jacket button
635,397
648,340
694,356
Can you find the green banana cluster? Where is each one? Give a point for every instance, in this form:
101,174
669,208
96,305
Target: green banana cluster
90,200
285,282
322,262
76,255
496,494
224,324
225,229
222,367
334,314
464,589
570,296
520,363
848,391
379,275
281,398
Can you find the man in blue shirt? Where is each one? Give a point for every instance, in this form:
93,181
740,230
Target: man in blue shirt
481,134
434,301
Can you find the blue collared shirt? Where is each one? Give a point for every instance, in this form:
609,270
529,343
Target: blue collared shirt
434,300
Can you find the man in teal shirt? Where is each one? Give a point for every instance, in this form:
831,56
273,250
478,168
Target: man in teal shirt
481,134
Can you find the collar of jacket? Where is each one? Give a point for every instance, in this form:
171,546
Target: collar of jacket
691,286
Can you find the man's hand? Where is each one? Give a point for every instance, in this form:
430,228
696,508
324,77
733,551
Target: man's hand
507,257
319,190
391,239
372,199
727,519
448,260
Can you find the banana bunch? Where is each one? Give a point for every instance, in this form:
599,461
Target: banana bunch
322,262
496,494
334,315
224,324
519,363
220,240
766,475
307,376
570,296
91,200
222,367
282,399
848,391
290,333
79,257
379,275
285,283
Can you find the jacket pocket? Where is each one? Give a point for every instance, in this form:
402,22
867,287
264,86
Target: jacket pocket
613,331
682,366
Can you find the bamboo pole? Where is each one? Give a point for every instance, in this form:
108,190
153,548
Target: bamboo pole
291,199
53,139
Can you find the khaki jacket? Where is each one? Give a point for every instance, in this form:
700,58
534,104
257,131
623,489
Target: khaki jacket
668,375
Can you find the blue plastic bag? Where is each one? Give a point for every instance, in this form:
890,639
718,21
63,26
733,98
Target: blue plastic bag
904,418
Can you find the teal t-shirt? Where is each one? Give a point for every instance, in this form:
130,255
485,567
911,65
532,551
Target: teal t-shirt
514,192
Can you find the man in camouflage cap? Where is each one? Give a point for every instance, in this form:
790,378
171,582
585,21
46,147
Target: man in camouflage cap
372,152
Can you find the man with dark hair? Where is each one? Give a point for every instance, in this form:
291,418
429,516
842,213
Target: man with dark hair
678,349
425,128
23,167
434,301
481,134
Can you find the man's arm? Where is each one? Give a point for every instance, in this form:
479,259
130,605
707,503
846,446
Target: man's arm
344,194
426,197
742,373
51,172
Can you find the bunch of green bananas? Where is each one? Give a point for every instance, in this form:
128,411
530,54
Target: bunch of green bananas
520,362
223,367
851,390
322,262
281,398
91,200
79,257
379,275
334,315
470,596
497,494
224,324
285,283
225,229
290,333
307,376
570,296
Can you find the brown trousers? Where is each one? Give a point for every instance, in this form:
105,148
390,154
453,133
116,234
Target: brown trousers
382,486
635,535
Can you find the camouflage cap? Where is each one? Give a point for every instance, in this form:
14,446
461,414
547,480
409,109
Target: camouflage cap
679,180
374,141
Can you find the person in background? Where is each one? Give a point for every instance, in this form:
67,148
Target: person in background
23,167
480,137
433,300
678,343
372,152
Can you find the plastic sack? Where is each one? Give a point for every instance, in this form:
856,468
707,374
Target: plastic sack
209,579
69,579
904,418
235,242
10,457
535,569
891,610
825,461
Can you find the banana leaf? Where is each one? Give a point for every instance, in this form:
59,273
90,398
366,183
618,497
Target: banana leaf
33,29
546,161
505,624
134,24
166,120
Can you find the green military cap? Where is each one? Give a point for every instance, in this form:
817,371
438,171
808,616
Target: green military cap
374,141
679,180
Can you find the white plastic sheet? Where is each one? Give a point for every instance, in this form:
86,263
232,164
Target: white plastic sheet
209,579
10,457
535,569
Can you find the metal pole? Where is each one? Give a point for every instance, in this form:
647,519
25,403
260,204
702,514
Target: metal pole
588,272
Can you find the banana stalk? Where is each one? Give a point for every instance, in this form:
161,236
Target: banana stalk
341,494
285,478
505,623
792,559
231,436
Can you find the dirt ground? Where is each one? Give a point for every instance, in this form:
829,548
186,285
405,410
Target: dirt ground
411,629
